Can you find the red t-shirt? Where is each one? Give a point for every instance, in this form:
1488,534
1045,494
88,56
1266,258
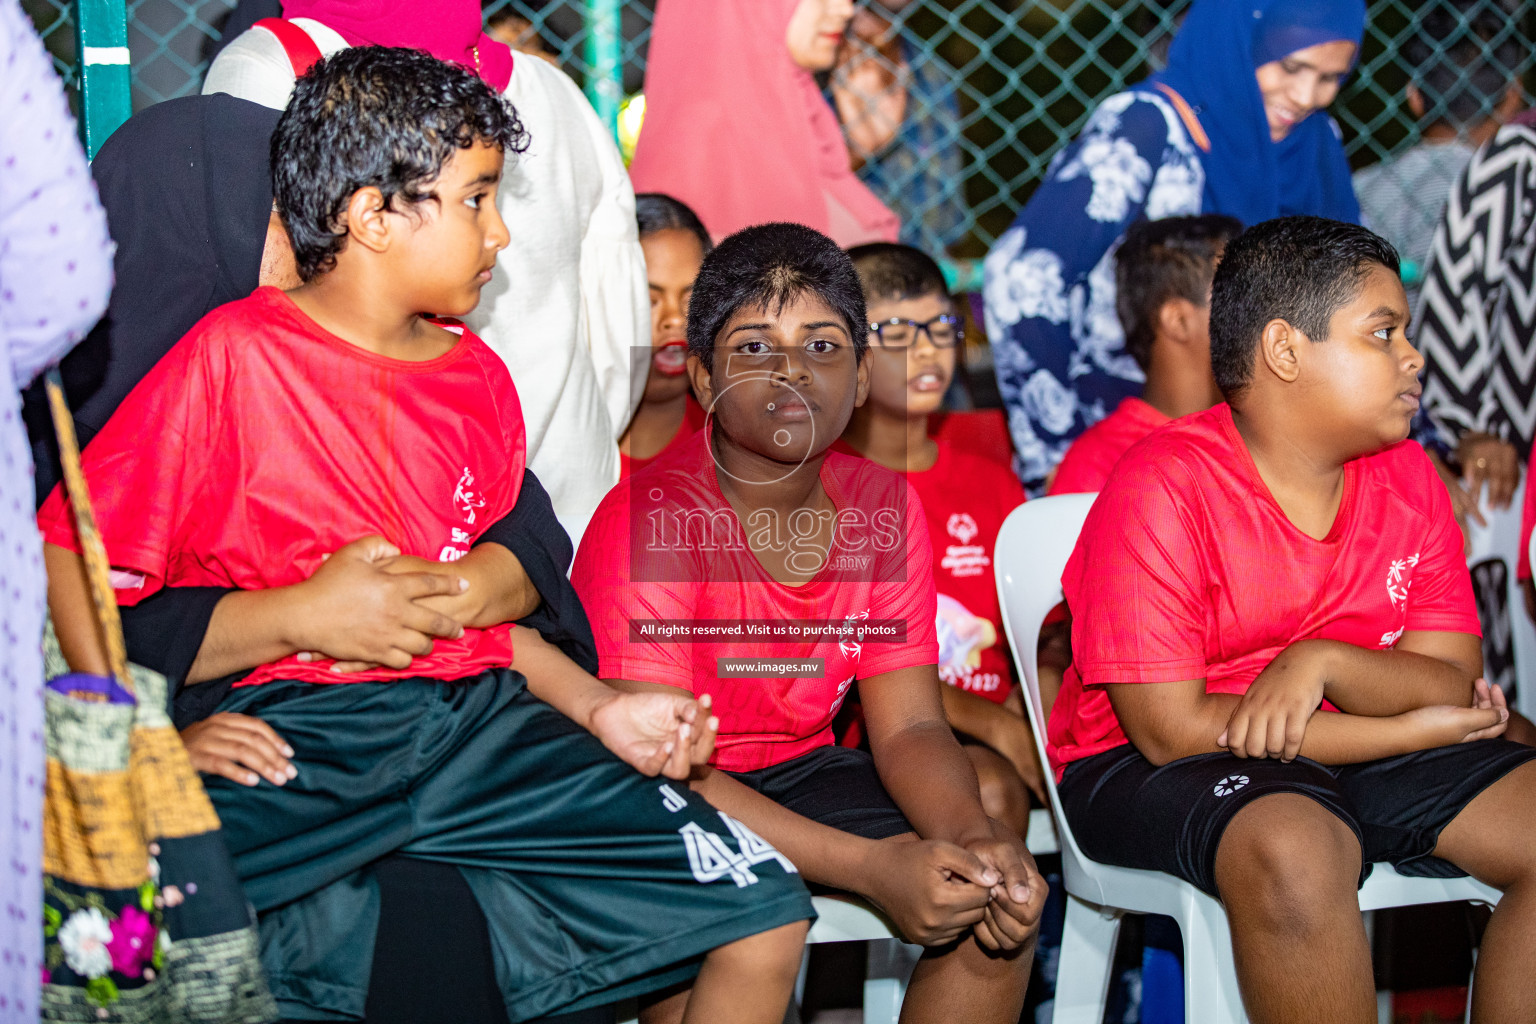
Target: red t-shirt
982,432
665,549
1187,569
693,421
1090,458
261,443
966,498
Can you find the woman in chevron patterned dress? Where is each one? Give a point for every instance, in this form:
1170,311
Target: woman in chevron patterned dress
1477,314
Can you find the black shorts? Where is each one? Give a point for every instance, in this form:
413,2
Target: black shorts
1126,811
836,786
597,883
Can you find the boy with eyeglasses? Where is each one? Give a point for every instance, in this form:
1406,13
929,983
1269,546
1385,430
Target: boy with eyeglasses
914,334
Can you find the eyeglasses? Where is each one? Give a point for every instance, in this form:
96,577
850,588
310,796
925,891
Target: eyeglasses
943,331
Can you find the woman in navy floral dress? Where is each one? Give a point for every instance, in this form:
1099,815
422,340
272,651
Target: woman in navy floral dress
1227,128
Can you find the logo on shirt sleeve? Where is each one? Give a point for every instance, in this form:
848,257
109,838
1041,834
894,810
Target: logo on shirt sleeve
1399,579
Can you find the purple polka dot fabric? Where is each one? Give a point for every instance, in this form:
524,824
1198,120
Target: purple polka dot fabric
55,272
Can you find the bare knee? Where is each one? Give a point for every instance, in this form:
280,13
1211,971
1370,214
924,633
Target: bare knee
1286,864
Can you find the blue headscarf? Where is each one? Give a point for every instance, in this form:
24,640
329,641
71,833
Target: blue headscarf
1211,65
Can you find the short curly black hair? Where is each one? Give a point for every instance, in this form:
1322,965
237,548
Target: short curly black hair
1301,270
768,267
384,117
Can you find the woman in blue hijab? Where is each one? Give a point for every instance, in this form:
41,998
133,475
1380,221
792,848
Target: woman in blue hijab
1235,126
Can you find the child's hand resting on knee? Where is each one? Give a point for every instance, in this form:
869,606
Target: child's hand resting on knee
933,890
240,748
1017,900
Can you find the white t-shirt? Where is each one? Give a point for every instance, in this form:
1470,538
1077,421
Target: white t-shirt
569,309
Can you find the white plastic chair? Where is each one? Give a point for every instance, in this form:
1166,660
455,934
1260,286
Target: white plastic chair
1032,551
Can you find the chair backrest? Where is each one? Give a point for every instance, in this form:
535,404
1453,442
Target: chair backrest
1032,549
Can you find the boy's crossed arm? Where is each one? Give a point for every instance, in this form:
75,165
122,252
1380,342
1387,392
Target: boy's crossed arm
362,607
1420,695
485,588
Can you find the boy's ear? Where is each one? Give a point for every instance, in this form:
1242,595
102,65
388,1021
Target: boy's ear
1415,101
366,222
861,392
698,375
1279,350
1177,319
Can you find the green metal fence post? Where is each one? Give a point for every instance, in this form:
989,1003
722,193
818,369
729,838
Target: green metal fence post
604,57
101,40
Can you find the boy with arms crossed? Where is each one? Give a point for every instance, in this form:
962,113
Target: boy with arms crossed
1276,660
755,524
285,426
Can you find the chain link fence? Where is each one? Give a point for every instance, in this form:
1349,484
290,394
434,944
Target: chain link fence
985,90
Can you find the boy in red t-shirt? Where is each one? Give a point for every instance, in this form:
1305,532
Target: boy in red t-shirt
756,565
1163,273
285,426
913,337
1276,654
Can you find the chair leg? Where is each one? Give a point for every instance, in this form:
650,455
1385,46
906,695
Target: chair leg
889,968
1210,976
1087,953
